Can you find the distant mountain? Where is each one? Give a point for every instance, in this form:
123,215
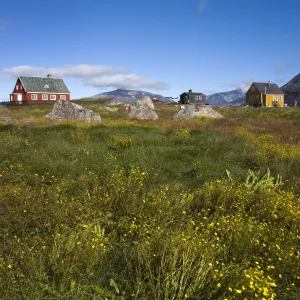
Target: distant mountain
129,96
292,91
235,97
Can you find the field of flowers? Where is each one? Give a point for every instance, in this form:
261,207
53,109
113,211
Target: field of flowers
201,209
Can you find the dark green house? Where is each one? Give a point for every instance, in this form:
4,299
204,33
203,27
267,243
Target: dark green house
192,98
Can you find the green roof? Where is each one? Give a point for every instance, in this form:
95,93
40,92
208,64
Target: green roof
43,85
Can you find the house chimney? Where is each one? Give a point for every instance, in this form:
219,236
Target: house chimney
190,91
269,84
49,76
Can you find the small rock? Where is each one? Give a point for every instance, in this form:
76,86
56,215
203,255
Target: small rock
112,109
113,103
28,122
6,119
3,107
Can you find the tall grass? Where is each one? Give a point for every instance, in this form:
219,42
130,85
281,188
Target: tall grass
146,210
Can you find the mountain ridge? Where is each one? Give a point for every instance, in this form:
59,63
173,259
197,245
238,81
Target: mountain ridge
292,91
129,96
235,97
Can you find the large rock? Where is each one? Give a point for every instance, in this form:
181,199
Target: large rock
190,111
145,101
65,110
142,109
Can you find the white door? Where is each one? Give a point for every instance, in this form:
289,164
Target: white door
19,97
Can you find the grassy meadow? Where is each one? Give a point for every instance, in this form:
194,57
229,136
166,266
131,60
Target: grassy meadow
194,209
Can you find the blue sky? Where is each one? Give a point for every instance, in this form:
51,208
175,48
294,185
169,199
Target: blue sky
161,46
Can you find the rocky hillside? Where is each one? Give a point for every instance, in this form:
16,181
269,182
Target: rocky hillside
235,97
292,91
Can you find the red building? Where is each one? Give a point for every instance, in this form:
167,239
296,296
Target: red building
36,90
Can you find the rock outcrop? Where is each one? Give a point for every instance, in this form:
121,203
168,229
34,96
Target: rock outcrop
190,111
65,110
113,103
142,109
292,91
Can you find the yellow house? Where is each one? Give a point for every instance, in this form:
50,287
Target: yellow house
265,94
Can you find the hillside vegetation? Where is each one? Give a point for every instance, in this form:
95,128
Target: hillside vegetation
196,209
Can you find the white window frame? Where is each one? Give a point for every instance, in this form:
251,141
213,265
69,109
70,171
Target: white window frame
53,97
62,97
45,97
17,87
34,97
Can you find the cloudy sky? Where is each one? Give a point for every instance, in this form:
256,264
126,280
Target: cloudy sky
161,46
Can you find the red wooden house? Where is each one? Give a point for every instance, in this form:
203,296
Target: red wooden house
37,90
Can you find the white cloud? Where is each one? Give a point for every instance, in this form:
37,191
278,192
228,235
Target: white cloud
209,92
80,71
202,5
242,85
129,81
281,68
92,75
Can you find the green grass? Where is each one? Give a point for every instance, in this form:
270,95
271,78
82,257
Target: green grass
146,210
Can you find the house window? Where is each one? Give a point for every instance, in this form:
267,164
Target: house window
33,96
45,97
53,97
279,98
46,86
257,96
17,87
62,97
253,88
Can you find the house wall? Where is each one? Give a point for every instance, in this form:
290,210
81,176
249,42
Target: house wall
27,96
14,97
191,99
40,96
269,100
20,87
254,98
274,100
